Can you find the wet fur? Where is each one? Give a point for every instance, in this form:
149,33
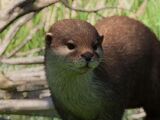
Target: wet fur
128,75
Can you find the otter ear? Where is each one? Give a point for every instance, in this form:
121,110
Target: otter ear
100,39
48,38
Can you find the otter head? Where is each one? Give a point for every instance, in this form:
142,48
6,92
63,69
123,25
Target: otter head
74,45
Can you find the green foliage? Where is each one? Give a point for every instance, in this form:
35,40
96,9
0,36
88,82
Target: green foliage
59,11
151,17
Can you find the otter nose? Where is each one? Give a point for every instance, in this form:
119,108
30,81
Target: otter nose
87,56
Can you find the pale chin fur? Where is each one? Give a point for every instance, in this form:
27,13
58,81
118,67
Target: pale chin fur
77,65
74,66
70,84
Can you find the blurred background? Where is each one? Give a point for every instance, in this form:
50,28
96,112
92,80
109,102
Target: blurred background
23,24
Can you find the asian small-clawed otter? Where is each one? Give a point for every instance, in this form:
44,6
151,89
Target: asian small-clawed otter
96,75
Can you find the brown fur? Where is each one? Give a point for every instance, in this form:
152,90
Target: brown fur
129,72
132,61
66,30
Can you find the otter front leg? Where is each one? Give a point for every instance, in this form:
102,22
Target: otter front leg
69,117
152,118
152,114
110,117
115,114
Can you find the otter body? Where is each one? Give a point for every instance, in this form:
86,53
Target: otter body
96,75
132,62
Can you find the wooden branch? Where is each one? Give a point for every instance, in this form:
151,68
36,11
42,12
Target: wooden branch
65,3
12,32
5,83
20,6
27,79
23,60
42,107
30,52
36,6
25,70
27,76
17,105
22,82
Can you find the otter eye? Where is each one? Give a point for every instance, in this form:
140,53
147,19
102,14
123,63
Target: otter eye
70,46
95,46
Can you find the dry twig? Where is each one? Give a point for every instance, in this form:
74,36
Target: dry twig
65,3
12,32
23,60
30,52
42,107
